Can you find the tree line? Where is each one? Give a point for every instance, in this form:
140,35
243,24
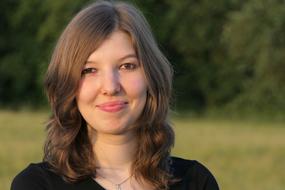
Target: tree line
227,54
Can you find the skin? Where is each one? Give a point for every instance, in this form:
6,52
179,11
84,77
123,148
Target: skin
112,75
111,97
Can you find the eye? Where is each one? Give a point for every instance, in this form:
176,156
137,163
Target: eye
88,71
128,66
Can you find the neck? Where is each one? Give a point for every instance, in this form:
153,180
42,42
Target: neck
115,152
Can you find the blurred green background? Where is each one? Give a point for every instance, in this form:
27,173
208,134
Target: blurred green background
229,103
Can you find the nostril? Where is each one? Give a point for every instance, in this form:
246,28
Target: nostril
111,88
110,83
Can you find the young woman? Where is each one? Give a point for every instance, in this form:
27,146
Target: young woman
109,87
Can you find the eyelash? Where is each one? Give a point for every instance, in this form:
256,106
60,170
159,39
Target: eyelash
129,66
88,70
125,66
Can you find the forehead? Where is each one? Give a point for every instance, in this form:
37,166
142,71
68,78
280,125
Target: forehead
117,45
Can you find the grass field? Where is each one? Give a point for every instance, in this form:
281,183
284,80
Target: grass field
241,155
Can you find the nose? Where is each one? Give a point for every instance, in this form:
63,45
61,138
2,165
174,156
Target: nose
110,84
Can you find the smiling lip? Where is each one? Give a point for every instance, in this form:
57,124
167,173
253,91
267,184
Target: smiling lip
113,106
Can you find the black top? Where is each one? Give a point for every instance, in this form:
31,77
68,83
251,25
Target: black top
194,176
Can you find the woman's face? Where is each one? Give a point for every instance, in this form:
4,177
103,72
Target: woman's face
112,91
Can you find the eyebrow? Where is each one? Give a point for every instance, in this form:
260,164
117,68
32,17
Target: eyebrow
131,55
128,56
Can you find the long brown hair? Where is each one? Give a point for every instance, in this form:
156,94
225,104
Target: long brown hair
67,148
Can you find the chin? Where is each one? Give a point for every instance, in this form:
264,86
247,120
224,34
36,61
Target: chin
110,129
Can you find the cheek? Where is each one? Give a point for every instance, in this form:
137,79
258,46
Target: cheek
86,91
136,88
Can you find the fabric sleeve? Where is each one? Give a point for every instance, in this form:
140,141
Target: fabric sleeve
204,178
31,178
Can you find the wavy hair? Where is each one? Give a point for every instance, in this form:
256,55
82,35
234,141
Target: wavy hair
67,147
